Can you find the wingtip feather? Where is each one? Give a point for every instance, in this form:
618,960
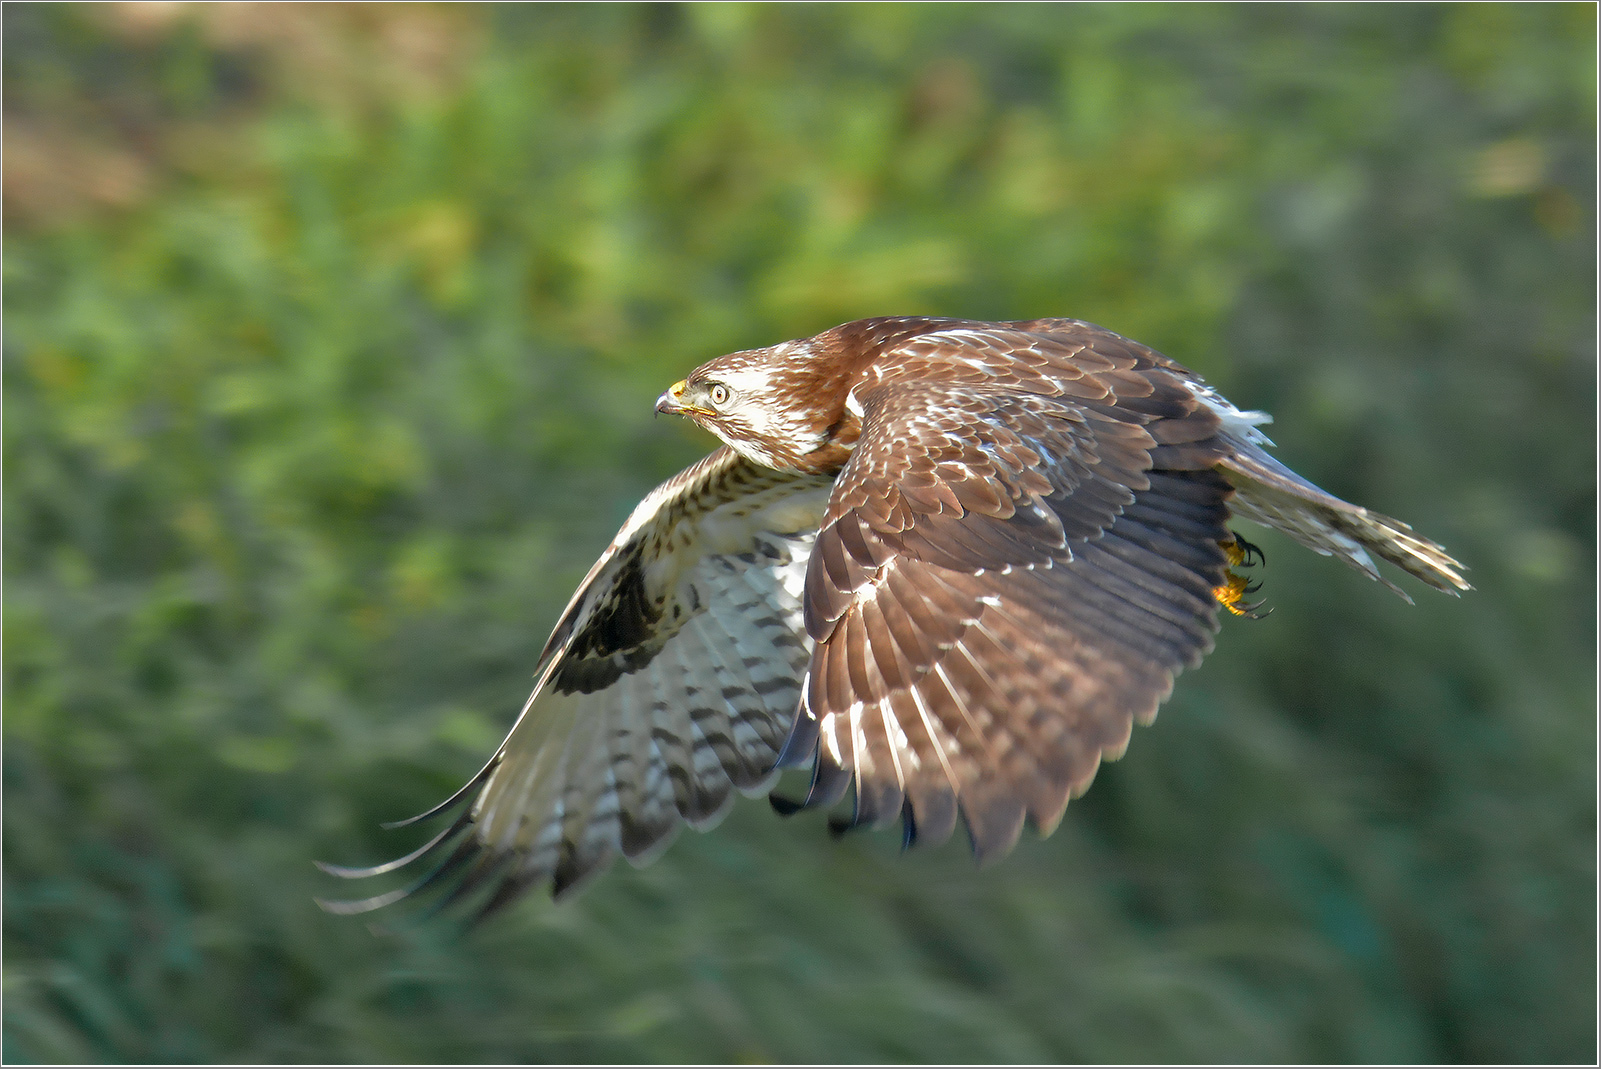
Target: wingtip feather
348,907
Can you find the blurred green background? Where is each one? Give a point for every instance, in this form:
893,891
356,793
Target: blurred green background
332,335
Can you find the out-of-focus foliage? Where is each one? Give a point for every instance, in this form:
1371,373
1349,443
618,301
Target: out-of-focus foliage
331,339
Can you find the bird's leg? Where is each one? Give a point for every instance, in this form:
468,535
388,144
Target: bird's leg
1241,554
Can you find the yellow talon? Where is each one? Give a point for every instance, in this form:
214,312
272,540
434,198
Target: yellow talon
1236,586
1229,594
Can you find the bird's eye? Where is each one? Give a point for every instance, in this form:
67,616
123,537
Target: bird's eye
718,394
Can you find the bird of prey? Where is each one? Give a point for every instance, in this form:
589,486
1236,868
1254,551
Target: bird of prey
949,564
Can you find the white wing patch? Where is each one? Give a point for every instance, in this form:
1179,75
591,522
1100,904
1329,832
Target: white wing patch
1241,424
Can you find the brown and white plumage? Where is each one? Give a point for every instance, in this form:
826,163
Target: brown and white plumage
949,563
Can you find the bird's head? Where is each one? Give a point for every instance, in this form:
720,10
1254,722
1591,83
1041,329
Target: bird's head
774,406
792,406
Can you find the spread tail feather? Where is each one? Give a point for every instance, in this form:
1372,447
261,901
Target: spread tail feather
1271,494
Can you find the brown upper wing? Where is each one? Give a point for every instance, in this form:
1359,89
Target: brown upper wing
1015,562
670,682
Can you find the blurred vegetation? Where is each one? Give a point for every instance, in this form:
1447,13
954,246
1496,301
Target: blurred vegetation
331,340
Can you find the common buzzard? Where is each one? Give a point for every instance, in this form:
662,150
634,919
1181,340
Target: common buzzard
947,563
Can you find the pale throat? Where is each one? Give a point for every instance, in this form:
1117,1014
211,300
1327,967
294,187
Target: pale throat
774,443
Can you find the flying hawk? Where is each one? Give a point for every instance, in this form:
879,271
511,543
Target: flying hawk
947,563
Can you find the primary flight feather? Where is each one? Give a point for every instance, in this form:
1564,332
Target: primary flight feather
948,563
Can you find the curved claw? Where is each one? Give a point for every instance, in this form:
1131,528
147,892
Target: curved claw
1240,554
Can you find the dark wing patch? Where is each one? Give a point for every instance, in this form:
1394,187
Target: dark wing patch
670,682
1015,563
623,633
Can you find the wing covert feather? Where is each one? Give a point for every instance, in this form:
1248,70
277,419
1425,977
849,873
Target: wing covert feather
1017,559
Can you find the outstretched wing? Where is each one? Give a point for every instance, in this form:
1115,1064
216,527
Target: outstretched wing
671,681
1016,561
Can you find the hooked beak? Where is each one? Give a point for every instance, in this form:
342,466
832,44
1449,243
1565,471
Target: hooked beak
671,402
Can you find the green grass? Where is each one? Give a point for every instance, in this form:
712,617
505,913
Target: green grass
331,342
